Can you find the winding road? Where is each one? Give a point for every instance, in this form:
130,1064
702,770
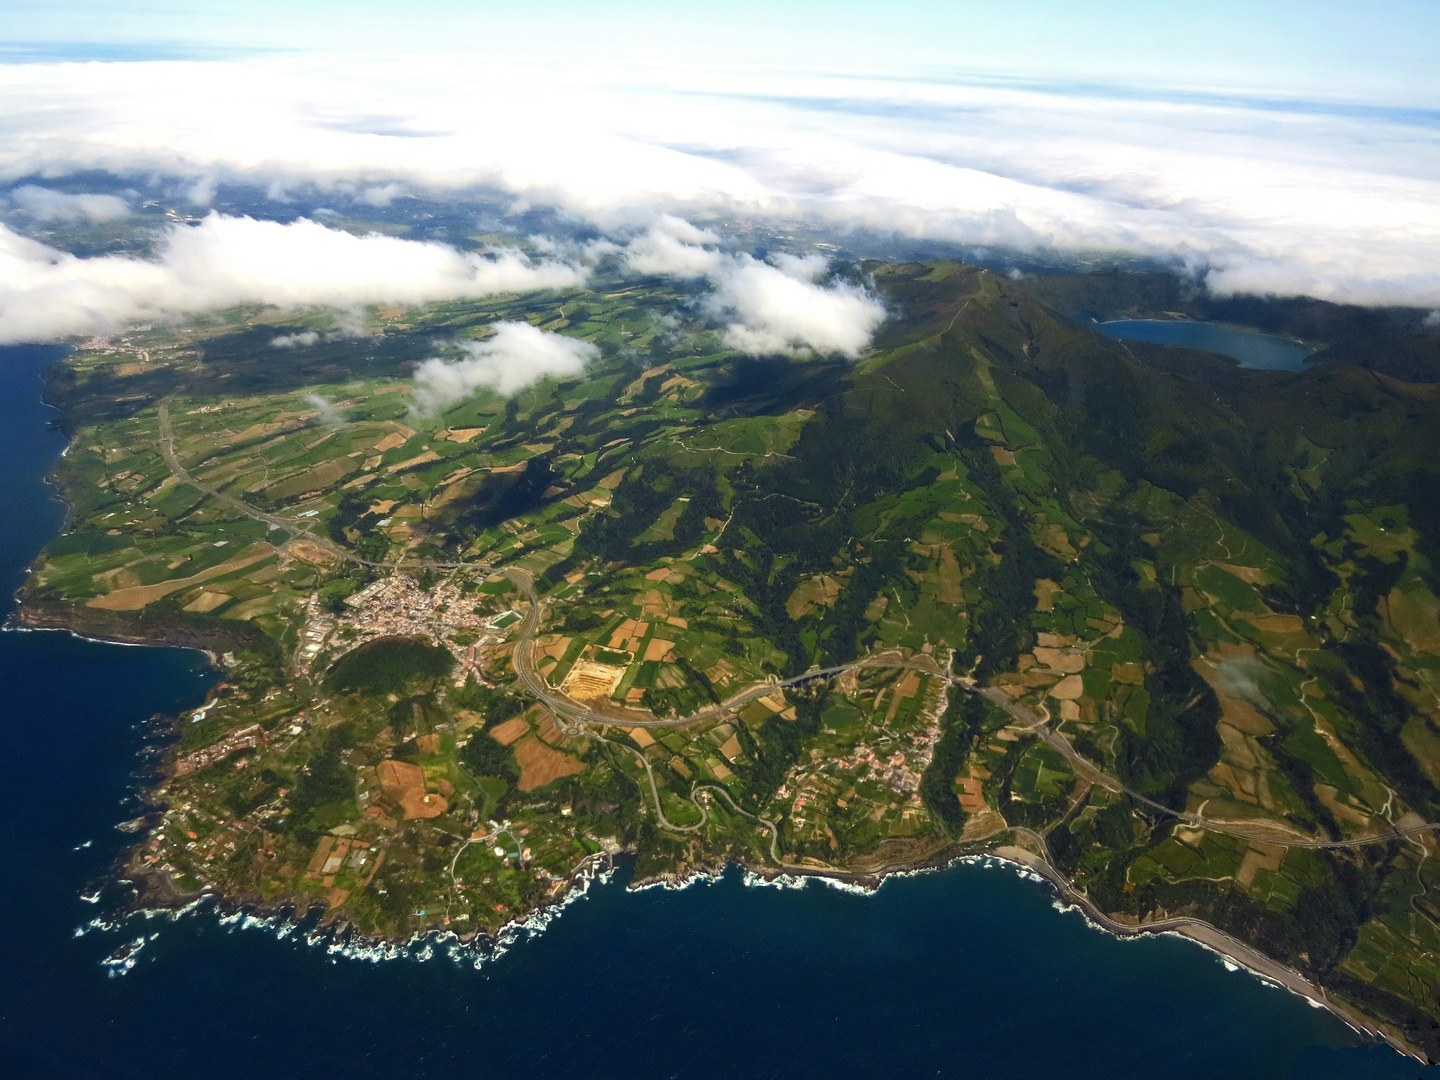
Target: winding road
571,714
1038,724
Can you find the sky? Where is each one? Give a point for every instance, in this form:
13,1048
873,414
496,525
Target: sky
1273,147
1385,51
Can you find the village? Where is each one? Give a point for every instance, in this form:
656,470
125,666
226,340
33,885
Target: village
895,761
396,606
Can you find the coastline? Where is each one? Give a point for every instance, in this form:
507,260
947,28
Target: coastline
1197,931
156,894
339,935
1212,939
113,628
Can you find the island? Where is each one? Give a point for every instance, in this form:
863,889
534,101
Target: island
1158,627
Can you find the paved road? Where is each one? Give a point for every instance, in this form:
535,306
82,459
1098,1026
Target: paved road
290,525
296,527
568,708
1197,930
1260,831
571,714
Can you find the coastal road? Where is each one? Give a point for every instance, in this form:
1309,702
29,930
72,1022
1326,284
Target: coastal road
1041,725
1196,930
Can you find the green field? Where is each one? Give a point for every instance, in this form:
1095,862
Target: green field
1224,600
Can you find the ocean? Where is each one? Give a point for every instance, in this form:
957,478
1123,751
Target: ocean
966,972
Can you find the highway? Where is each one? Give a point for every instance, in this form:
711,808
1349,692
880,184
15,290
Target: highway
296,527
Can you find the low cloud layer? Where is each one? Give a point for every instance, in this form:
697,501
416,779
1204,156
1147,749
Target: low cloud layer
223,261
46,204
780,309
517,355
769,307
1271,195
674,247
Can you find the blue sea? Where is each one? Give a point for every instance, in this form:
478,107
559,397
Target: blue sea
968,972
1253,350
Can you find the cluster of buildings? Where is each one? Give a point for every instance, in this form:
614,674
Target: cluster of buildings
177,841
318,626
396,606
900,770
252,737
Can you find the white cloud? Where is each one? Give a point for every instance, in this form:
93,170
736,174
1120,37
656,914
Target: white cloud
801,267
46,204
1274,195
224,261
517,355
773,307
779,309
329,413
380,194
299,340
1433,319
202,192
348,324
673,246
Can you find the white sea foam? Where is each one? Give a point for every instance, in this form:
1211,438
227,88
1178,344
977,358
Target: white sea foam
123,959
919,871
100,922
851,887
697,877
339,942
479,951
753,880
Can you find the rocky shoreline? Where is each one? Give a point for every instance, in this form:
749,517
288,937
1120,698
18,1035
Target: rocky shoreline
1068,897
156,892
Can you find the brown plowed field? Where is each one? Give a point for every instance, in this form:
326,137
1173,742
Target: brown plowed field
405,783
539,764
